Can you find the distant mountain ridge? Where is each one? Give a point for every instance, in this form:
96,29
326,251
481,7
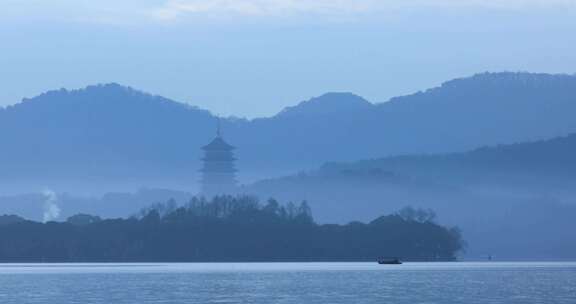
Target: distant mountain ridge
503,165
119,136
508,199
554,158
328,104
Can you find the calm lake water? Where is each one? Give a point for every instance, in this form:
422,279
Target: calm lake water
330,283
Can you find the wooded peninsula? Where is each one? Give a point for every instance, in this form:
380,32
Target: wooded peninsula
227,229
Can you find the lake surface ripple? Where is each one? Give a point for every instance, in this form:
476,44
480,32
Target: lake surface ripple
459,282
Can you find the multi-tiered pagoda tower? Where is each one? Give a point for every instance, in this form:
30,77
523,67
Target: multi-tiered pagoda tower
218,170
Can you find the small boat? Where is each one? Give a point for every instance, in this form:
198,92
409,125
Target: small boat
392,261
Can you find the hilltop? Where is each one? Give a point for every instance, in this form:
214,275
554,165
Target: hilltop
110,135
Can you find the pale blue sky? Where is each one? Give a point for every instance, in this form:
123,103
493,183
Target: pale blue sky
254,57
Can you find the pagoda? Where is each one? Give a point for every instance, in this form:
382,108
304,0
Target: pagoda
218,170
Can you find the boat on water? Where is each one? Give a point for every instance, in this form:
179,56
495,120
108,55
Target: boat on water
389,261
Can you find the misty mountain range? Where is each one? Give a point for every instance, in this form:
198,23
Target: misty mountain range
110,137
517,200
544,163
488,179
494,154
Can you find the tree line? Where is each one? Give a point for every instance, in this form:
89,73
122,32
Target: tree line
227,228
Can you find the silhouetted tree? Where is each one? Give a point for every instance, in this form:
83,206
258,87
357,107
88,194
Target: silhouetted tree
420,215
227,228
83,219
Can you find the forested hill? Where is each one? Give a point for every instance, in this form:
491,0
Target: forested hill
104,132
227,229
117,135
543,160
488,179
508,199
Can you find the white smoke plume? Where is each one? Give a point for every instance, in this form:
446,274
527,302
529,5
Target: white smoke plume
51,208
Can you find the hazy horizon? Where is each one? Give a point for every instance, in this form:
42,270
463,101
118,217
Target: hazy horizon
252,58
304,149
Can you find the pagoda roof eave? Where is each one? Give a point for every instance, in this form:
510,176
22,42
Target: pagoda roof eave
218,144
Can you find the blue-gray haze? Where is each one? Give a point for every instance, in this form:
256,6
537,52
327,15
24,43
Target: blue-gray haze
253,57
509,200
